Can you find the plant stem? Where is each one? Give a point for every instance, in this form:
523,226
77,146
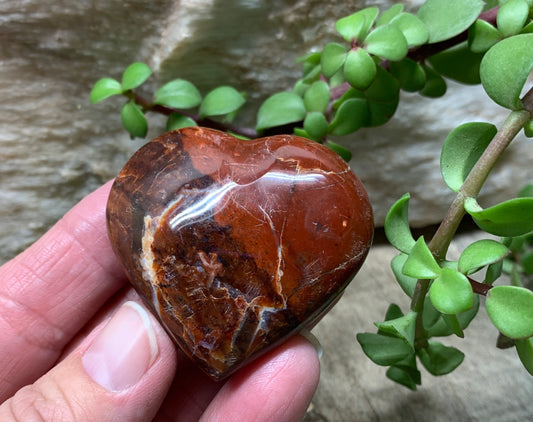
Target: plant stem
213,124
472,185
479,288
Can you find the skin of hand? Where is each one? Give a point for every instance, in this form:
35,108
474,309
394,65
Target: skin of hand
77,344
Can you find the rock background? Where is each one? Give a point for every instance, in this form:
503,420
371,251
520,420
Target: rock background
55,147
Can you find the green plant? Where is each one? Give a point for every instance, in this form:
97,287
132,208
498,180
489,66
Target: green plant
356,83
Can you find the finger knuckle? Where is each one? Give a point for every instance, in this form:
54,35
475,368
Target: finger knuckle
35,404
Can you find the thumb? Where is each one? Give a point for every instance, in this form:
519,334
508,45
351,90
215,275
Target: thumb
122,372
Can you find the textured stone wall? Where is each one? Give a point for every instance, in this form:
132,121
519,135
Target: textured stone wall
55,147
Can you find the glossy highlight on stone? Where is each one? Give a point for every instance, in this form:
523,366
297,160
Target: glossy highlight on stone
236,245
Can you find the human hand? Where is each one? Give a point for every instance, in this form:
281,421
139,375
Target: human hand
77,344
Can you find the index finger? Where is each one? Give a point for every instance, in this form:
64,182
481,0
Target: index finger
51,290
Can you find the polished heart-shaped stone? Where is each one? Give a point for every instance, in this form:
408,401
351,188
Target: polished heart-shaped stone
236,245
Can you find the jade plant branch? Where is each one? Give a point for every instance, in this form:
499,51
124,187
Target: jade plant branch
441,240
205,122
418,54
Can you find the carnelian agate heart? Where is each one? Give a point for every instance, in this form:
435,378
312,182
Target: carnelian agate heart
234,244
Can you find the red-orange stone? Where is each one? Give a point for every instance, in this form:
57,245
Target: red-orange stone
235,245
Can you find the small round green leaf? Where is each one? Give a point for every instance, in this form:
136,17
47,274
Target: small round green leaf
528,29
461,151
178,121
301,87
310,61
397,227
337,79
526,191
409,74
389,14
527,263
135,75
220,101
316,98
510,309
451,292
312,58
351,27
458,63
298,131
312,74
512,16
407,283
343,152
435,85
178,93
524,348
494,271
387,42
516,276
402,327
393,312
447,18
385,89
380,113
359,69
357,25
465,318
384,350
481,253
528,129
412,28
409,366
482,36
383,97
507,219
280,109
134,120
421,263
512,56
316,125
332,59
351,115
439,359
349,94
105,88
441,328
401,376
453,324
515,244
405,376
430,316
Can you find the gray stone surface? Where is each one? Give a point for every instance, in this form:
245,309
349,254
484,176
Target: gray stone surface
55,147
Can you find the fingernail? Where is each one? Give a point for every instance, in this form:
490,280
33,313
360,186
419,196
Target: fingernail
311,338
123,351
